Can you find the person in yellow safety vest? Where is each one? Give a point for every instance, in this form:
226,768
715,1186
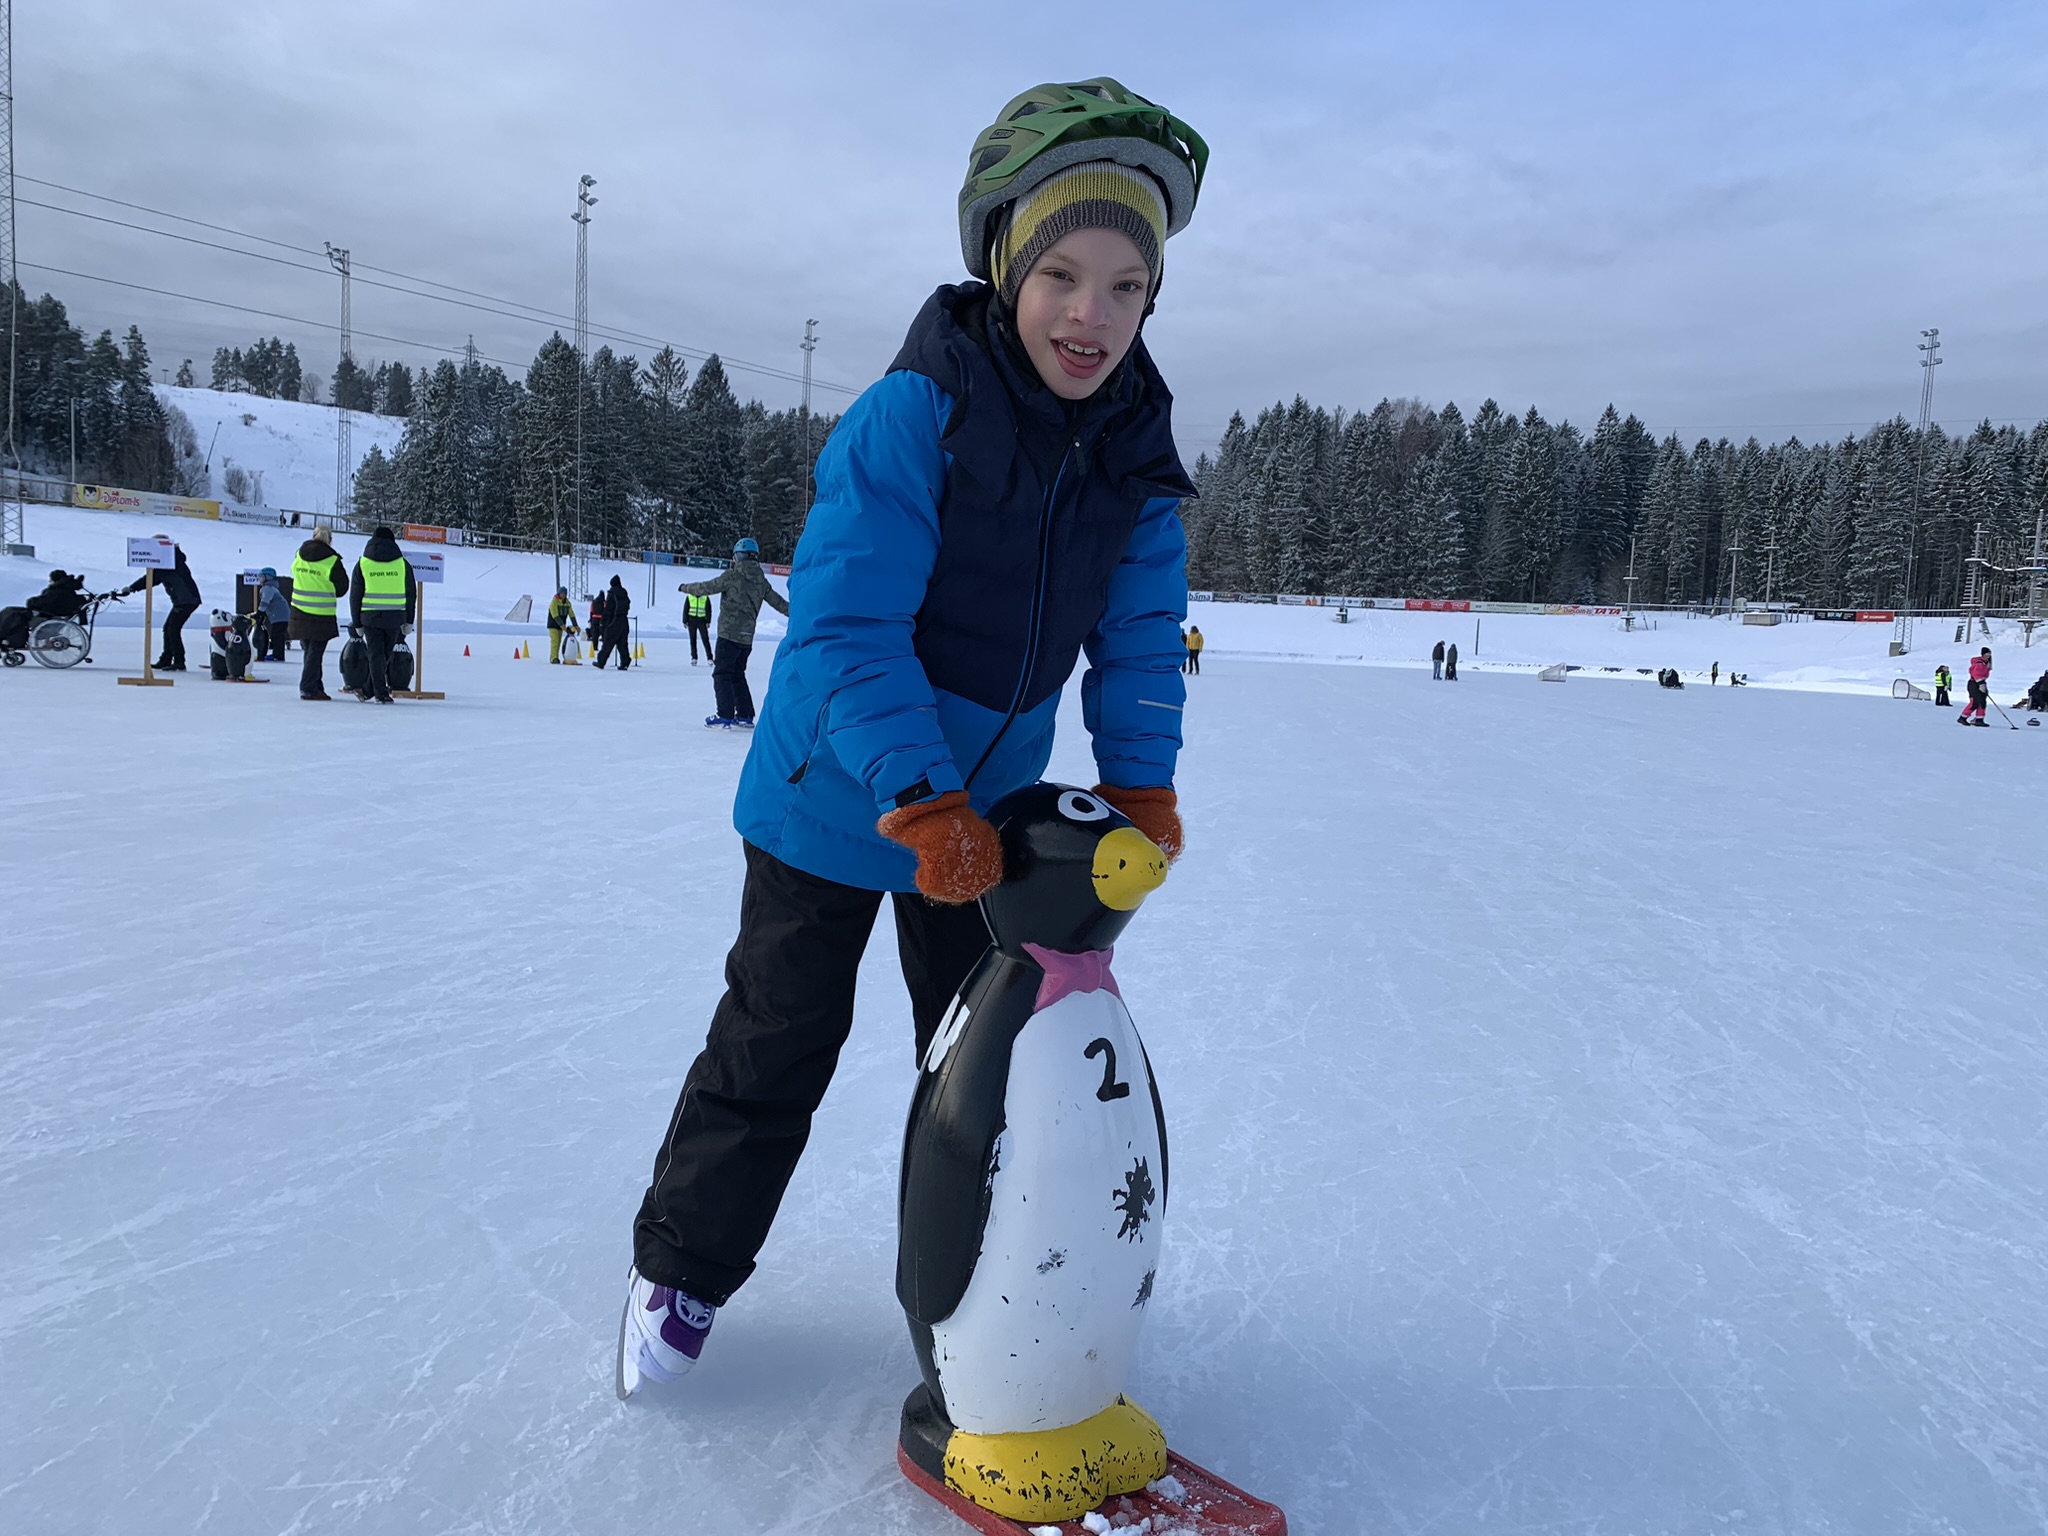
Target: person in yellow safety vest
318,579
381,601
1943,681
697,620
561,620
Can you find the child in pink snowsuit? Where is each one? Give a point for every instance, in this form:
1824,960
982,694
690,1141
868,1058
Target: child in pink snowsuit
1980,688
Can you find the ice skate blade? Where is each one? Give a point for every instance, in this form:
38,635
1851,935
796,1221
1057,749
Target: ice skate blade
1210,1506
626,1369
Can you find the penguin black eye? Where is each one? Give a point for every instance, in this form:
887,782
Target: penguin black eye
1076,806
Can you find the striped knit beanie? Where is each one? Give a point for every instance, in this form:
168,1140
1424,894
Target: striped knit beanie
1099,194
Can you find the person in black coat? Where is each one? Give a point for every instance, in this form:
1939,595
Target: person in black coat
1451,662
182,592
1436,662
63,598
615,636
381,625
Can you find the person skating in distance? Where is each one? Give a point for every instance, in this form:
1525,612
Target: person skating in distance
1980,689
618,627
697,624
561,622
273,617
741,588
1003,501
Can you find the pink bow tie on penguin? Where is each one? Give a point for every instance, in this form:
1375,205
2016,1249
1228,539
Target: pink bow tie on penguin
1066,974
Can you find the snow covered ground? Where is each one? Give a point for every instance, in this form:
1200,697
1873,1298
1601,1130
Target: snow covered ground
288,443
1594,1109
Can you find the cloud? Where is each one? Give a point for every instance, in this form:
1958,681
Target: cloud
1725,218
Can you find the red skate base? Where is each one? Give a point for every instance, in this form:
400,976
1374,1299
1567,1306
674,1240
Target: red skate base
1211,1507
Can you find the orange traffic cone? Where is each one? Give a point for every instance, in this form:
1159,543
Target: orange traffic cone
515,653
465,650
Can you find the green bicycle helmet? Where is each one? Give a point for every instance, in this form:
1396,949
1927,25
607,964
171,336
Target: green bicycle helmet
1052,127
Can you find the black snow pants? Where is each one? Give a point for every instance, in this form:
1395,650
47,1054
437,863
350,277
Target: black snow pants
174,635
1940,697
610,643
746,1106
312,676
380,642
729,680
700,629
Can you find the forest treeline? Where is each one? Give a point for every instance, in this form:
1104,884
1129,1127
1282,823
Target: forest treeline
671,460
1409,500
1403,500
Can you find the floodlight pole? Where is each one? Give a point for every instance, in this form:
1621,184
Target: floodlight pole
579,563
338,259
810,345
1930,359
13,518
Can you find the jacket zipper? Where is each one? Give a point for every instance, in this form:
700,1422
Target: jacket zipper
1037,614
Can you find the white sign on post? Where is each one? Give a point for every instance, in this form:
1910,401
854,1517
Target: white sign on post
426,566
152,554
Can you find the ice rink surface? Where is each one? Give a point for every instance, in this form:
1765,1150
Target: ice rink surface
1594,1109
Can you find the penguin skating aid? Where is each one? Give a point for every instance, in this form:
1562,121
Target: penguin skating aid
1032,1204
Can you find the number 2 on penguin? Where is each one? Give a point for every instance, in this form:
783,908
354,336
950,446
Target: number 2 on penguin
1111,1088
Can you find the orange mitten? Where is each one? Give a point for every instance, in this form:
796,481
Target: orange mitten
1155,812
959,855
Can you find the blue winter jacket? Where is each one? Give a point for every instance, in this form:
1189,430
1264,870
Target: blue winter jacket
972,535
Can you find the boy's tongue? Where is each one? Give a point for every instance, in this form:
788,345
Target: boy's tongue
1078,365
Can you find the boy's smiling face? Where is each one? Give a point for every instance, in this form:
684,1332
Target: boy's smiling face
1079,308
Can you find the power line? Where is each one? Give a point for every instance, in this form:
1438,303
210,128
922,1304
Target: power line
537,315
267,314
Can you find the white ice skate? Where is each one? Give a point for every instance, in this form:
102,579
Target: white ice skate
661,1333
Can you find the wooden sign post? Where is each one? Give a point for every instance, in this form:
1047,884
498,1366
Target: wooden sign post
151,555
426,568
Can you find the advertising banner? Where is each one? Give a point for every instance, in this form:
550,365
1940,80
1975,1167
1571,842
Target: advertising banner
1876,615
267,516
109,498
1436,604
422,533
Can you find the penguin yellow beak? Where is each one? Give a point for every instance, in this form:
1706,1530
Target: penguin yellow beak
1128,868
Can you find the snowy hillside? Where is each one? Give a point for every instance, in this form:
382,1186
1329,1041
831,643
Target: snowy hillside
1593,1109
289,444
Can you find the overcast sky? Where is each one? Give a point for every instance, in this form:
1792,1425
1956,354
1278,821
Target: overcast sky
1728,218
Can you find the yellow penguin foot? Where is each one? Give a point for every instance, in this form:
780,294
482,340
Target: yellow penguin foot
1044,1475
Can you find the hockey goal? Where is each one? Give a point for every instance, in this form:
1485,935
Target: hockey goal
1905,688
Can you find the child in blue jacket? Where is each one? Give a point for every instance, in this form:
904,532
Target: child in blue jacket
1003,502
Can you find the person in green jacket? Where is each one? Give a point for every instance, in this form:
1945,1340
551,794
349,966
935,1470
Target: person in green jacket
697,620
741,589
1943,681
561,619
